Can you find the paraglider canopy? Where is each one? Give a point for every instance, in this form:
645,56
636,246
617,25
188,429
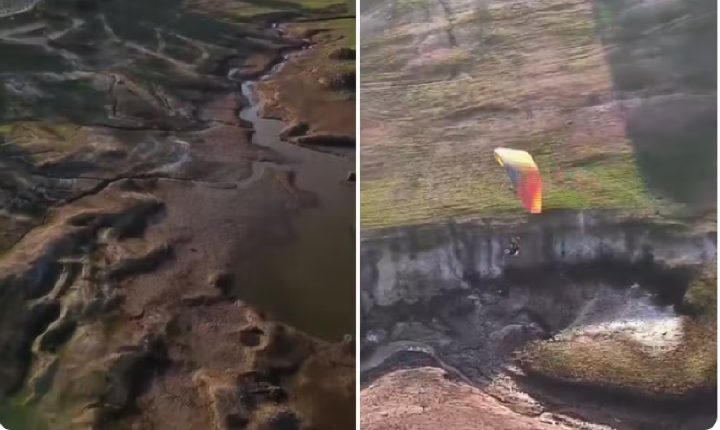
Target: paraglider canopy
524,174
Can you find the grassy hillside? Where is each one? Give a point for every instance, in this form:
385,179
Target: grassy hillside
615,101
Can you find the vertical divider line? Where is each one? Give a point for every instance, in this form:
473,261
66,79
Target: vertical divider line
358,175
717,335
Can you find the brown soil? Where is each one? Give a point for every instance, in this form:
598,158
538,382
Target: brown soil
427,398
157,280
608,342
300,91
119,233
424,398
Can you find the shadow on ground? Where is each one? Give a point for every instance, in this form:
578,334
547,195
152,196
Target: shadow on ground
663,59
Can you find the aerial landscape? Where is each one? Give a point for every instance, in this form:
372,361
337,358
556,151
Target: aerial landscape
177,214
598,312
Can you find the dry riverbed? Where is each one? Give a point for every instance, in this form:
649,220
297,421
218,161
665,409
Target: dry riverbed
133,198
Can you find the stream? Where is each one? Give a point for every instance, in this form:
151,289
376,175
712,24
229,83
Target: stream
308,281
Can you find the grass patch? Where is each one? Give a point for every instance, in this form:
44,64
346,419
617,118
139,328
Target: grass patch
701,297
247,9
15,414
320,4
455,187
525,79
626,365
39,141
19,412
406,6
40,130
346,29
610,183
343,30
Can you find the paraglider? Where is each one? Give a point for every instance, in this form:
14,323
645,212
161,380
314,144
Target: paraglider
524,174
514,249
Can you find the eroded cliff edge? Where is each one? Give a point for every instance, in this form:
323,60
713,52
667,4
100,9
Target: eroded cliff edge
614,302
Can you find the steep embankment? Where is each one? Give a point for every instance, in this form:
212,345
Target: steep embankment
606,310
453,255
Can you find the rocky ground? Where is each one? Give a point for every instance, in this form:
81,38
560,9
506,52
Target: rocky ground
598,323
601,328
130,191
425,398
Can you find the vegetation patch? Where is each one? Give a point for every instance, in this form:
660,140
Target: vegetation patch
622,364
17,414
535,78
39,141
342,29
483,188
246,9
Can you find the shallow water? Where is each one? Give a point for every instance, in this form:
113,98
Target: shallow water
308,281
16,416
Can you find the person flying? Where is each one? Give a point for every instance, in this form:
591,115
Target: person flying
514,248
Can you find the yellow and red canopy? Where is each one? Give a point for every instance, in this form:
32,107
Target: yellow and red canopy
524,174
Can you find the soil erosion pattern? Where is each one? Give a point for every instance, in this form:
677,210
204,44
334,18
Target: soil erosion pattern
177,214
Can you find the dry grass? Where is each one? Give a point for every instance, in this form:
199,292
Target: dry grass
43,140
625,364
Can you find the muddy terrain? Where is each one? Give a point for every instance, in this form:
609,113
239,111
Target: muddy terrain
607,318
605,326
162,186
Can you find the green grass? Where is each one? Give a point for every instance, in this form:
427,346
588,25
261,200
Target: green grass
522,79
701,297
43,140
318,4
608,184
17,415
483,188
624,364
257,7
346,29
404,6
